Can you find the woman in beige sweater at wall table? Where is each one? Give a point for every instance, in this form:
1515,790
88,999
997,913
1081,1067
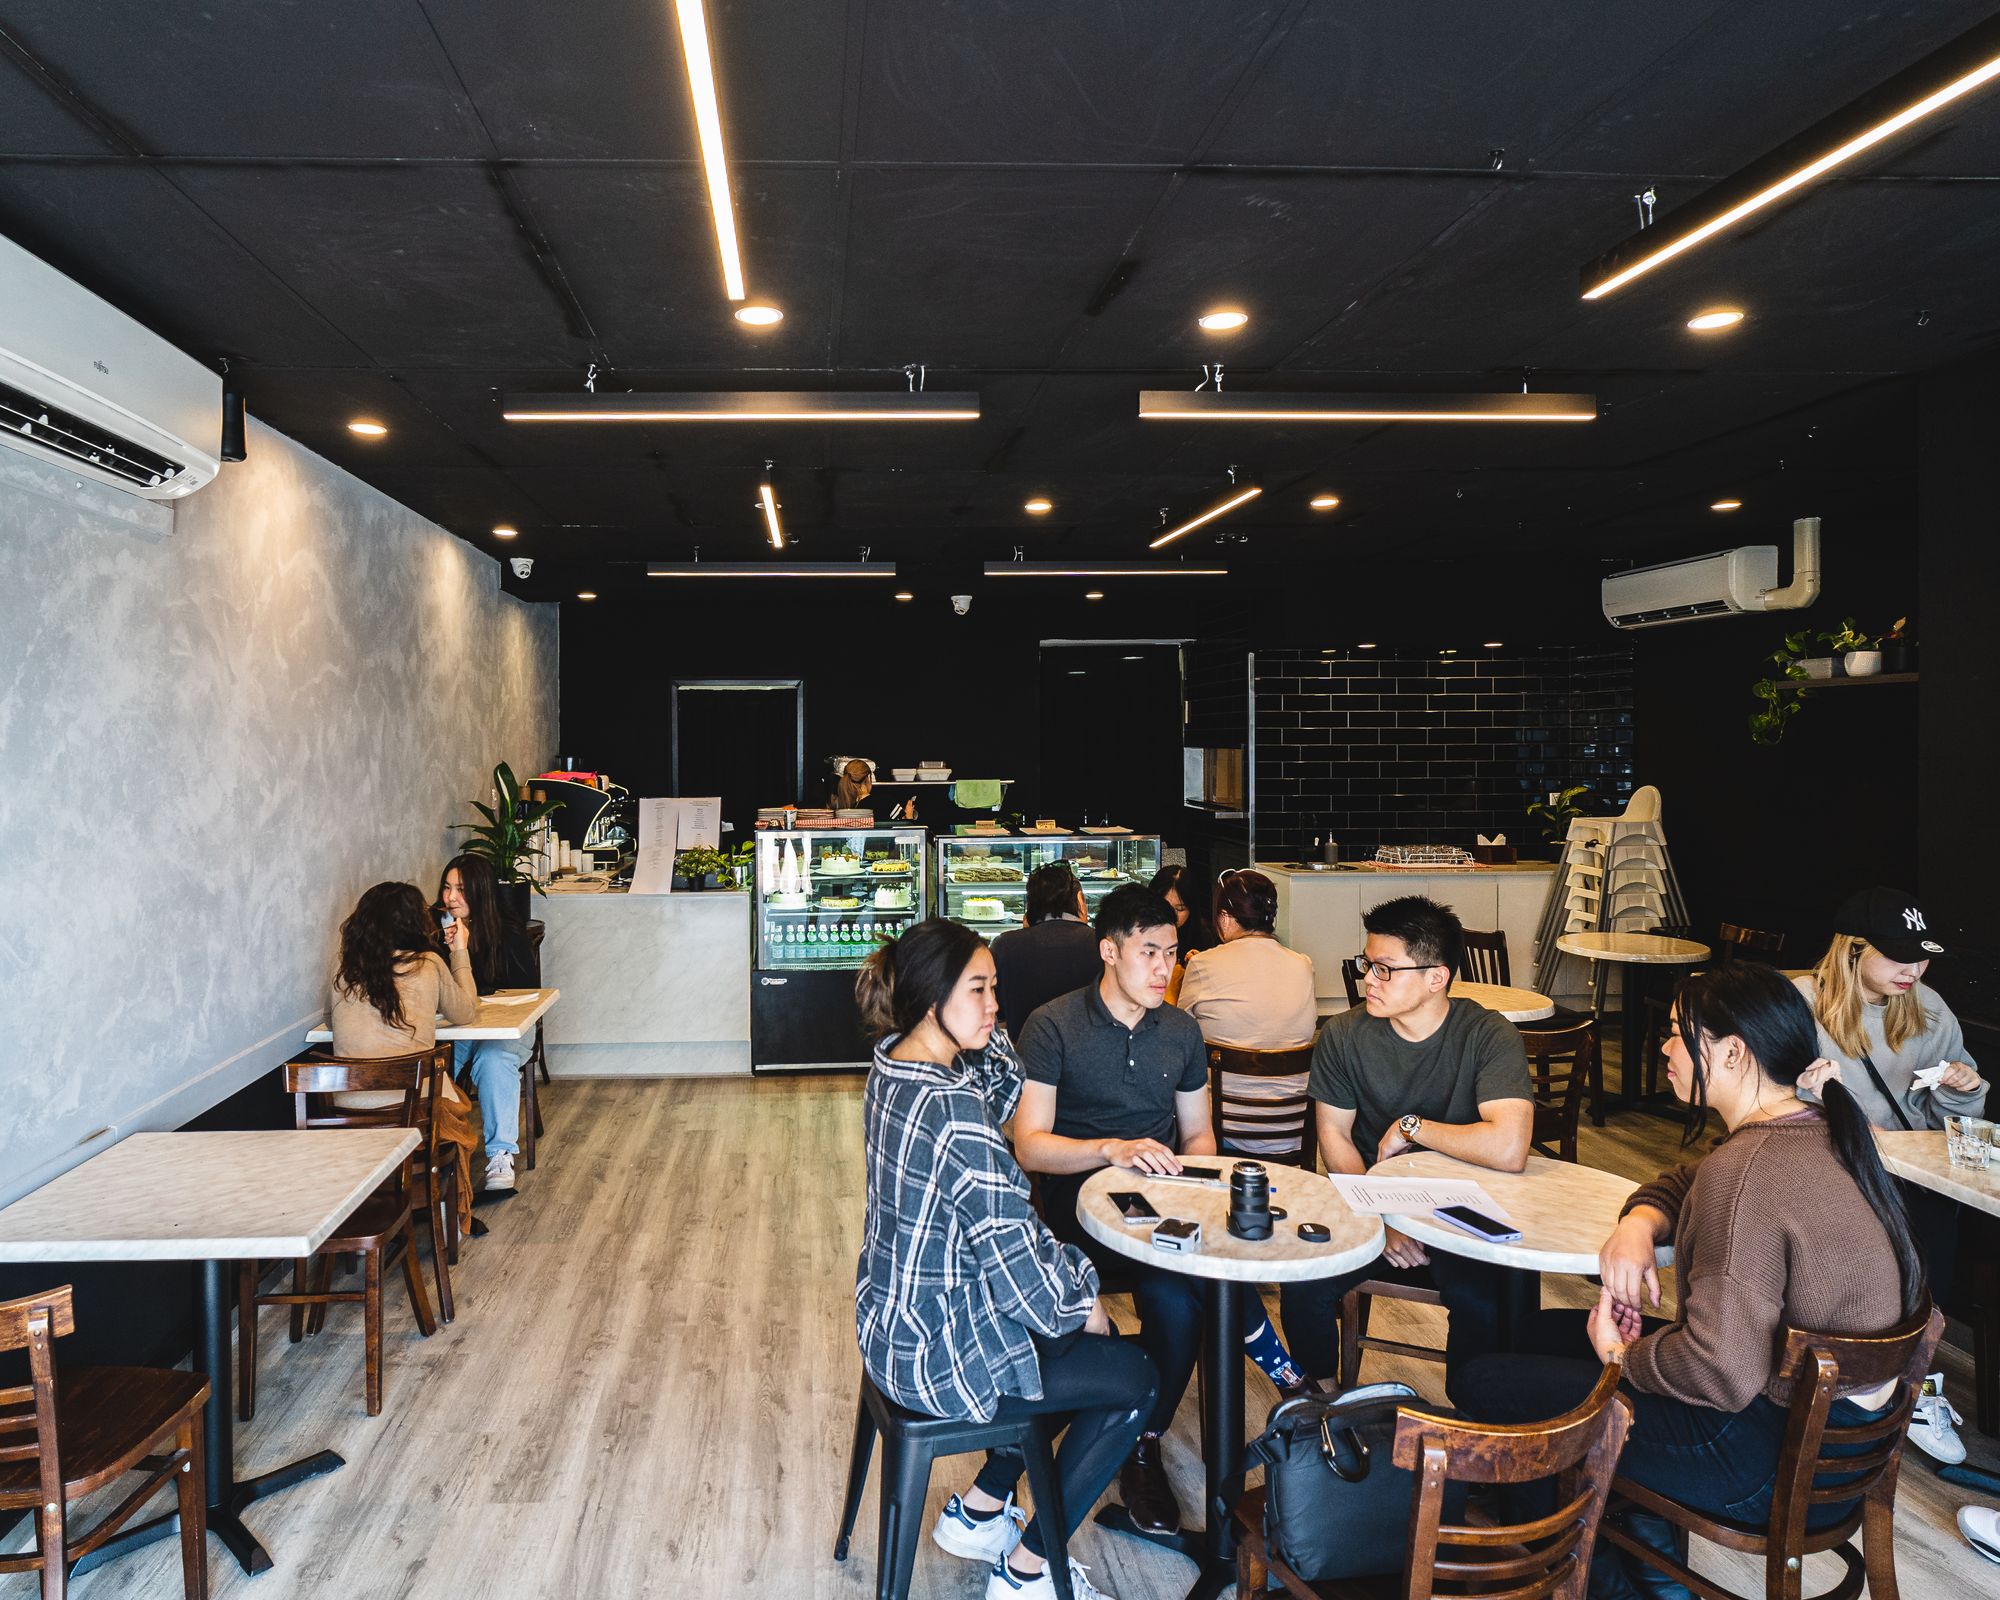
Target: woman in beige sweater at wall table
387,993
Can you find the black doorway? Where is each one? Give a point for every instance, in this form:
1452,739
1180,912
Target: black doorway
1111,735
741,738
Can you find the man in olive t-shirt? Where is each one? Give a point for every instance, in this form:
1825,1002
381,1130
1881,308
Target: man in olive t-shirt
1413,1068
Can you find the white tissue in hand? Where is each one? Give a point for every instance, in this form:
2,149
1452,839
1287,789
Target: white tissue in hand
1930,1077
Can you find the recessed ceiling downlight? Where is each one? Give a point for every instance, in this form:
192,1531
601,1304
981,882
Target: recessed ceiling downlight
759,316
1726,505
1223,321
366,428
1039,506
1720,317
1324,502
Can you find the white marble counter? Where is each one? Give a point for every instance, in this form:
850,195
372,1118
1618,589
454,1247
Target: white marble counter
1282,1258
1319,913
653,985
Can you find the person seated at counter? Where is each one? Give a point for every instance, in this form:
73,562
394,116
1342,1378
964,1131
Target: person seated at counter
1054,954
1251,992
1414,1069
395,976
503,957
1117,1077
1709,1408
1879,1025
965,1304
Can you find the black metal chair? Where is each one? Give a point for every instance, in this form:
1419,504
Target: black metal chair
911,1441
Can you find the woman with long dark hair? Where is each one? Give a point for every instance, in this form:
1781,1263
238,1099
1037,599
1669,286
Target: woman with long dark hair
1188,898
503,957
393,980
965,1304
1791,1220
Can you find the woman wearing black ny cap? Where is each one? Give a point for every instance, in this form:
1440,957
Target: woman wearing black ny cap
1880,1026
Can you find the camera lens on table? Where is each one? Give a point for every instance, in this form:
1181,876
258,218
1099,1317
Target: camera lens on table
1250,1200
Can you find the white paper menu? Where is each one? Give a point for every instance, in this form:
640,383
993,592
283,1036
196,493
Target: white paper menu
659,839
1388,1197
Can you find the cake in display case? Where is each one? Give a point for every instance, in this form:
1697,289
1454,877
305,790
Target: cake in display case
982,879
824,900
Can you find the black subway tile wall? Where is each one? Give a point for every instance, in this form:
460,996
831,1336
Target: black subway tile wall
1373,748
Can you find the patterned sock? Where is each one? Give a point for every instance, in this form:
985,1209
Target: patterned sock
1266,1349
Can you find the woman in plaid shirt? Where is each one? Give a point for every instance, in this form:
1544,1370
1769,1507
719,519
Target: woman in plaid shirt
965,1303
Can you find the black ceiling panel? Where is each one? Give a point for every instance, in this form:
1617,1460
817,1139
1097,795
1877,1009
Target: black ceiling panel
418,265
606,79
256,77
1017,81
34,120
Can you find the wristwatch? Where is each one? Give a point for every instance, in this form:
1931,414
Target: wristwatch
1409,1127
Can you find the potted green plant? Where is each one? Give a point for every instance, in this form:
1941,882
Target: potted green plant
1554,813
702,868
1780,695
1860,654
505,838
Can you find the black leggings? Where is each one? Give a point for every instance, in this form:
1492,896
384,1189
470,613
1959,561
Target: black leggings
1104,1389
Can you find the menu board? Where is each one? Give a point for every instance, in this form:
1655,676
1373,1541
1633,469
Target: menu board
667,826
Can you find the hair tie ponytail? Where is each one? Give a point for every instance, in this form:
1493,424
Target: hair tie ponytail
1854,1145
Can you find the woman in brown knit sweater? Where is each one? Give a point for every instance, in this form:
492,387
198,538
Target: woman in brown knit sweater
1790,1221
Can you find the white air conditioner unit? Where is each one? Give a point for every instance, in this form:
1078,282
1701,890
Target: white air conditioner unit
84,386
1716,585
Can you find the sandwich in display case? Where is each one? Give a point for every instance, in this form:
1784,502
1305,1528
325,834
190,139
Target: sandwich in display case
824,899
982,881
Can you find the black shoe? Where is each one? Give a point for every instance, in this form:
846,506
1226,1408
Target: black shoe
1142,1485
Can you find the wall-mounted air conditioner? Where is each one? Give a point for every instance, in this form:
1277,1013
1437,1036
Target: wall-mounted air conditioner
84,386
1716,585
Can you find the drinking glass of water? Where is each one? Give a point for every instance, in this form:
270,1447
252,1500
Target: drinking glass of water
1969,1142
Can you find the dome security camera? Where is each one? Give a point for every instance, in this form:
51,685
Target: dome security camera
961,603
522,565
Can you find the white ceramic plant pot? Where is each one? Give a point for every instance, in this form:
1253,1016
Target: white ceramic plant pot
1863,663
1818,666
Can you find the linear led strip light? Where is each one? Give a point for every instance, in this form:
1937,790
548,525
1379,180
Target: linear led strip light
1969,62
708,125
1189,405
1241,499
757,405
1114,569
771,569
769,502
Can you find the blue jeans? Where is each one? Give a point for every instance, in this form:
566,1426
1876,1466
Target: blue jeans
495,1068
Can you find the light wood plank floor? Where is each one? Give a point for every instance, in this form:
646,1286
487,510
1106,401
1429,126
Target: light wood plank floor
650,1385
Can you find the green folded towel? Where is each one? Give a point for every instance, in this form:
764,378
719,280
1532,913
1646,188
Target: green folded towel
976,794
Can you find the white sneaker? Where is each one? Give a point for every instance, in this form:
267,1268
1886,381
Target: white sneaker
1006,1584
1931,1423
987,1539
500,1173
1981,1527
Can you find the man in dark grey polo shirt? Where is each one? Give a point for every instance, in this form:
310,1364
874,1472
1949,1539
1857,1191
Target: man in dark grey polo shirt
1414,1069
1116,1077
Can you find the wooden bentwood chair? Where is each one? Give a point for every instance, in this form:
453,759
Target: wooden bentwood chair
382,1221
1562,1066
1290,1119
1818,1363
62,1440
1547,1559
1485,958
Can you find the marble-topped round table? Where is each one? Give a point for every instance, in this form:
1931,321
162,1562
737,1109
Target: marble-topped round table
1564,1210
1516,1005
1228,1263
1638,951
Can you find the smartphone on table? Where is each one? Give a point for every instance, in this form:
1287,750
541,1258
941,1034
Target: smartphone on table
1134,1207
1478,1224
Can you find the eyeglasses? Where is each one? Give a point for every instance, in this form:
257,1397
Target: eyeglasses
1365,968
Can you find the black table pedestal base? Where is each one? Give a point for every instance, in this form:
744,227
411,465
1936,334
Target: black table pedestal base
224,1521
1212,1549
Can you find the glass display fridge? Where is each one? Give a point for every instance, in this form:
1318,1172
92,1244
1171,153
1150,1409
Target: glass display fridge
983,879
824,899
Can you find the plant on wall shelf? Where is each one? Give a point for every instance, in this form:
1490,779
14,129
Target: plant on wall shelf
1845,638
1554,812
504,838
1780,696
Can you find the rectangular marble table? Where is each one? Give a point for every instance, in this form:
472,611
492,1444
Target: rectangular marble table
504,1014
215,1198
1920,1157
